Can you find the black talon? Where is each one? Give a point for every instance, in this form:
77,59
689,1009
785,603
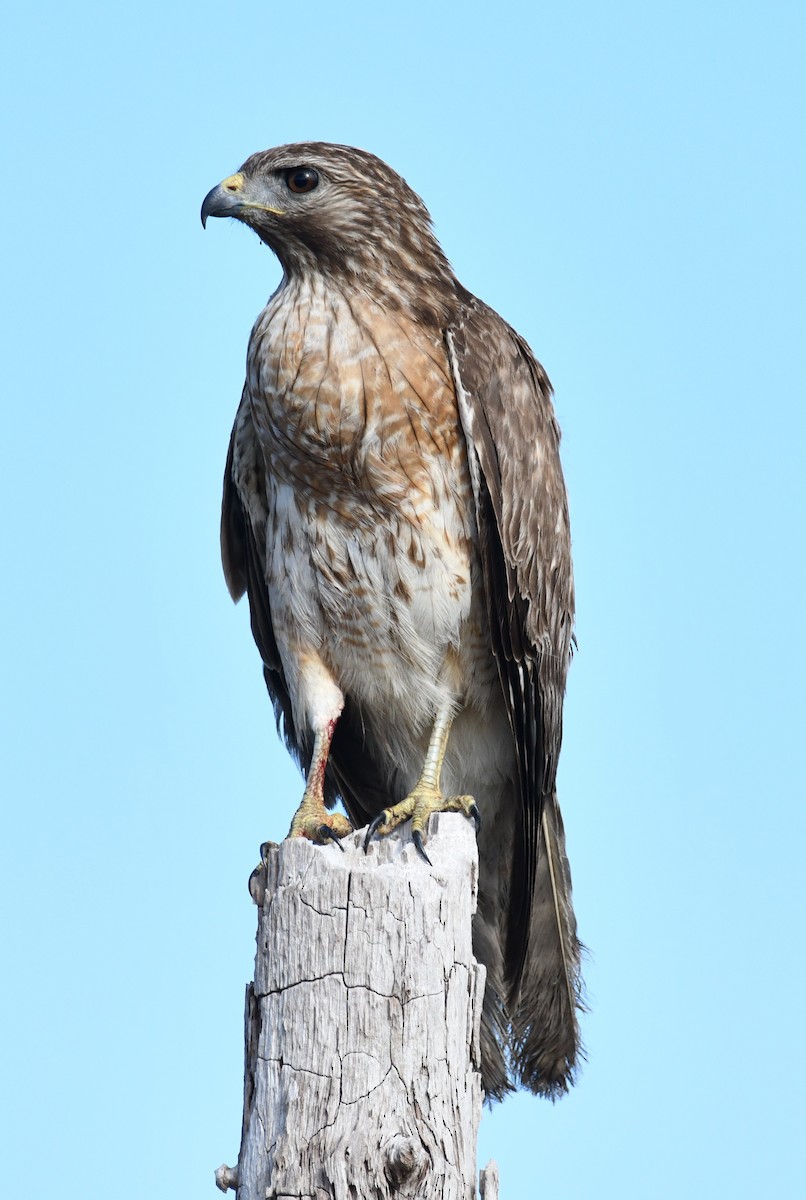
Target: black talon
417,838
374,826
476,815
326,832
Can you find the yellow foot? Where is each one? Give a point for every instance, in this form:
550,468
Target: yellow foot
313,821
419,805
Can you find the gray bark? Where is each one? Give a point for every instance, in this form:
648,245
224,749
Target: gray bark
362,1024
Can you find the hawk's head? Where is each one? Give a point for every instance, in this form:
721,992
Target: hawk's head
335,210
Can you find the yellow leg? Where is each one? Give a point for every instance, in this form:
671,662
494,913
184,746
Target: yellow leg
426,797
312,819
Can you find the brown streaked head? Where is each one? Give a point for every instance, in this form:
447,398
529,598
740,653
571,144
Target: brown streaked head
336,210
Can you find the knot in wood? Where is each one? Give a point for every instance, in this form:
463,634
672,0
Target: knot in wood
226,1178
405,1161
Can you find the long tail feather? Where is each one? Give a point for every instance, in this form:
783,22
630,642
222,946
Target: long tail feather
495,1033
546,1044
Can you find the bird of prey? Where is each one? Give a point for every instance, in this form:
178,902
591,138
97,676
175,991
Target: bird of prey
394,508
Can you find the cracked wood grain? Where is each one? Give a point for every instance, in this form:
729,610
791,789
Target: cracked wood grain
362,1025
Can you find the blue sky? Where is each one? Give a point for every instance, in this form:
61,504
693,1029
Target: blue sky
625,183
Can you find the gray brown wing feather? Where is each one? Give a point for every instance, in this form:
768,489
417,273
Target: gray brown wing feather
524,543
244,513
525,528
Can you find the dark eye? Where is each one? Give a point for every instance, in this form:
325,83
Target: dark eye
301,179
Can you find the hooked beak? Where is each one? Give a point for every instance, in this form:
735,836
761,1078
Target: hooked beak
231,198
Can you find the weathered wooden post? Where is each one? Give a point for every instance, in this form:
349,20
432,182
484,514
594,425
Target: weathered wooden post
362,1024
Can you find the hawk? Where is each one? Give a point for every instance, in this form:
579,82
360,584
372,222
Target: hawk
394,509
